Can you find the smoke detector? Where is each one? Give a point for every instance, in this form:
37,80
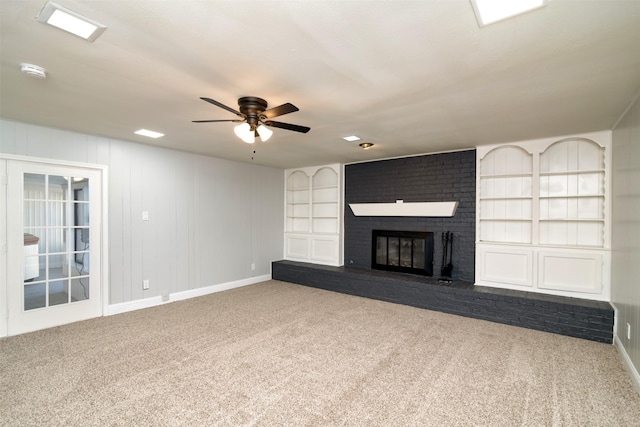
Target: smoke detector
33,71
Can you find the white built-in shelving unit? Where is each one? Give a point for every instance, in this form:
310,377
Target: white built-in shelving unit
543,215
298,202
572,196
313,214
325,201
506,195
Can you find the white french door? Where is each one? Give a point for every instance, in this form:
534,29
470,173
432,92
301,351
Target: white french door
54,216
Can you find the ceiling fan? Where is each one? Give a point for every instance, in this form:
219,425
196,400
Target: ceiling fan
255,118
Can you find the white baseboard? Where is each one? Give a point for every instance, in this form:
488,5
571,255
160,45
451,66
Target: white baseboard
628,364
124,307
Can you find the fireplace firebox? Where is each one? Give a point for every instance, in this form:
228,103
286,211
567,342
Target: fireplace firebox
403,251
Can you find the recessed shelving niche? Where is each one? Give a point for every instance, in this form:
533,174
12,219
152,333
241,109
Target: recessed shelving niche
505,203
313,212
572,196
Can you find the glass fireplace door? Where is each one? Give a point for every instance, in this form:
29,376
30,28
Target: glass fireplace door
405,251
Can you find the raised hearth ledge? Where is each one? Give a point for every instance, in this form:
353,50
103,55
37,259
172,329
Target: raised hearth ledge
428,209
587,319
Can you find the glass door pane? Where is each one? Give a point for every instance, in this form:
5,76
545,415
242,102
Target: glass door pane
56,240
406,252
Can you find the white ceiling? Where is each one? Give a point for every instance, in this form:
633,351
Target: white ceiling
411,77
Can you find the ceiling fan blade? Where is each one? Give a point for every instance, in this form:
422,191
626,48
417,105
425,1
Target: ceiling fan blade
212,121
217,104
279,111
288,126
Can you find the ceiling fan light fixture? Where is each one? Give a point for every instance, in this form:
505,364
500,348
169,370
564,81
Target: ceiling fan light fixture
264,132
256,117
244,132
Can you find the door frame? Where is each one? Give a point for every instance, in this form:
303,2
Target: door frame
4,209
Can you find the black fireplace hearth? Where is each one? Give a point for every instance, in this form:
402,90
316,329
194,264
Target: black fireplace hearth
403,251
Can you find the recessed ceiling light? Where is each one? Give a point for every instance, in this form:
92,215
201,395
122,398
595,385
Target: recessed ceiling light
70,21
366,145
149,133
351,138
490,11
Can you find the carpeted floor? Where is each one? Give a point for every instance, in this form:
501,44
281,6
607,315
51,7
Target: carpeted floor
279,354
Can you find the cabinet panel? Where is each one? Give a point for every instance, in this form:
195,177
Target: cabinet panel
506,266
581,273
297,247
324,248
573,272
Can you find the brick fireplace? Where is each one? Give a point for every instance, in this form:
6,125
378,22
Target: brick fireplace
431,178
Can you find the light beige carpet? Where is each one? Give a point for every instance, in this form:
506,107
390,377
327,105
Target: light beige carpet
278,354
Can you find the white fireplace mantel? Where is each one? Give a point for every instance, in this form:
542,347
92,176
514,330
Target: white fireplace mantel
399,208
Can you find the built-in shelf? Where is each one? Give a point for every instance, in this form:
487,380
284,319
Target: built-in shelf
573,196
505,219
542,222
312,224
415,209
506,198
572,172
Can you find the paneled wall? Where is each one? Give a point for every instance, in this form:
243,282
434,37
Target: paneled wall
209,219
431,178
625,241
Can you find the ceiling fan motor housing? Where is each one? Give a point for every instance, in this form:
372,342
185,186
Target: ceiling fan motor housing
252,107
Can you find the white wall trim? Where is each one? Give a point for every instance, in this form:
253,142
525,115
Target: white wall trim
179,296
628,364
57,162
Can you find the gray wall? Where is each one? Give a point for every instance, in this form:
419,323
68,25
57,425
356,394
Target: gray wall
431,178
210,219
625,242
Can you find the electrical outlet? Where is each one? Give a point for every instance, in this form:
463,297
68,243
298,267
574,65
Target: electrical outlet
145,284
253,267
628,331
145,215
